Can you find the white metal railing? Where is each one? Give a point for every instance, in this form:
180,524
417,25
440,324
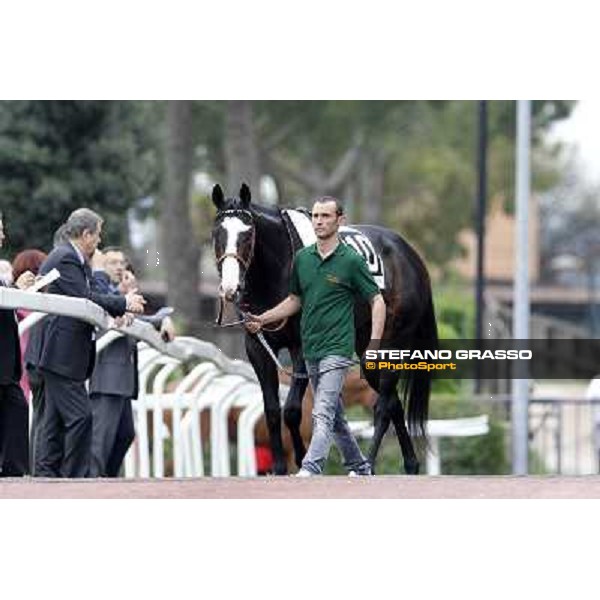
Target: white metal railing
215,383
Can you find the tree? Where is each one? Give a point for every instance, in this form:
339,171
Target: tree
182,251
56,156
242,157
408,165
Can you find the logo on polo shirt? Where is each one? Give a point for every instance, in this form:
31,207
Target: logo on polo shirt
332,278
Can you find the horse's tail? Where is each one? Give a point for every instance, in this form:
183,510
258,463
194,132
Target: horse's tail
417,384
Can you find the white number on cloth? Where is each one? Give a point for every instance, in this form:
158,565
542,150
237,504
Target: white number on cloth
362,244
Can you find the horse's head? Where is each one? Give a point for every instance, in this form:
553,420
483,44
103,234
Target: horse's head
233,239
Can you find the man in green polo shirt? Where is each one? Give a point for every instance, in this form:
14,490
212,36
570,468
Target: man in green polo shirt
326,278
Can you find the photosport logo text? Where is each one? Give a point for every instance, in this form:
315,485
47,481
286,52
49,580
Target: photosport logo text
436,360
498,359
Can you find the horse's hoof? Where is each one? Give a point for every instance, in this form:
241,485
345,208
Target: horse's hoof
411,467
280,469
298,460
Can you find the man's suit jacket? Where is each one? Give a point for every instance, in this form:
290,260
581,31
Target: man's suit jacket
10,348
68,347
116,370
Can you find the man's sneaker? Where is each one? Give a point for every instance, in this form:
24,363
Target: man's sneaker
360,474
303,473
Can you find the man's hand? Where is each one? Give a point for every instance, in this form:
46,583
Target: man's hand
253,323
25,280
135,302
124,321
167,330
286,308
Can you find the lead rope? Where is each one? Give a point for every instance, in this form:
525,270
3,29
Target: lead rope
261,338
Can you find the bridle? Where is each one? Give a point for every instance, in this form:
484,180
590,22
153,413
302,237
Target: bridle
245,265
243,262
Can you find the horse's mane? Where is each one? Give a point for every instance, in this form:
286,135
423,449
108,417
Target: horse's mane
266,211
275,211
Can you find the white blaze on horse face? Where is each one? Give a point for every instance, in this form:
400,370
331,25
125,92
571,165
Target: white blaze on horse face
230,270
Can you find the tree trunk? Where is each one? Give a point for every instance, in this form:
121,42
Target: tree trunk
241,149
182,252
372,172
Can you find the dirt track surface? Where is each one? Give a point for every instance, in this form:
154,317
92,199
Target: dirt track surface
319,487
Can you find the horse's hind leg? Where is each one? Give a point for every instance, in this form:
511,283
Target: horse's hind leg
388,408
411,464
381,412
381,421
292,413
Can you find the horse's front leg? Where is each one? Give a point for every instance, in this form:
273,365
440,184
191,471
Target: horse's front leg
292,413
266,373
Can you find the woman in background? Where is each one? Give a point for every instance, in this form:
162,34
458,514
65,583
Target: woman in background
31,382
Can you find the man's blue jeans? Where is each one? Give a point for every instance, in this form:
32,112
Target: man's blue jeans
329,422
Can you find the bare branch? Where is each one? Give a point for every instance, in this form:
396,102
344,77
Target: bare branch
342,170
299,175
278,136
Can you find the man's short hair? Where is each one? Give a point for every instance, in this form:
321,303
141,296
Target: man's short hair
113,249
339,206
80,220
60,237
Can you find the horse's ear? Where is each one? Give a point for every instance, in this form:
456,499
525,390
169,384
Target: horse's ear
245,195
218,198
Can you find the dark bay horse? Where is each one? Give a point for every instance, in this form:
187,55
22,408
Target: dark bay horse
254,249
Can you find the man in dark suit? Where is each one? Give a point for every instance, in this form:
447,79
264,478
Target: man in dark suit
68,352
114,382
13,406
31,360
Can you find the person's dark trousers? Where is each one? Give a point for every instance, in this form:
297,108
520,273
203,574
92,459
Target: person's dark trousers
65,430
38,402
14,428
125,437
113,433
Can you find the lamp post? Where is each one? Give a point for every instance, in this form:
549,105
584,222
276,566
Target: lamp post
480,227
521,308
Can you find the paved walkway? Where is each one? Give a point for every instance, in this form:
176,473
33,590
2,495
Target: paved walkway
396,486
